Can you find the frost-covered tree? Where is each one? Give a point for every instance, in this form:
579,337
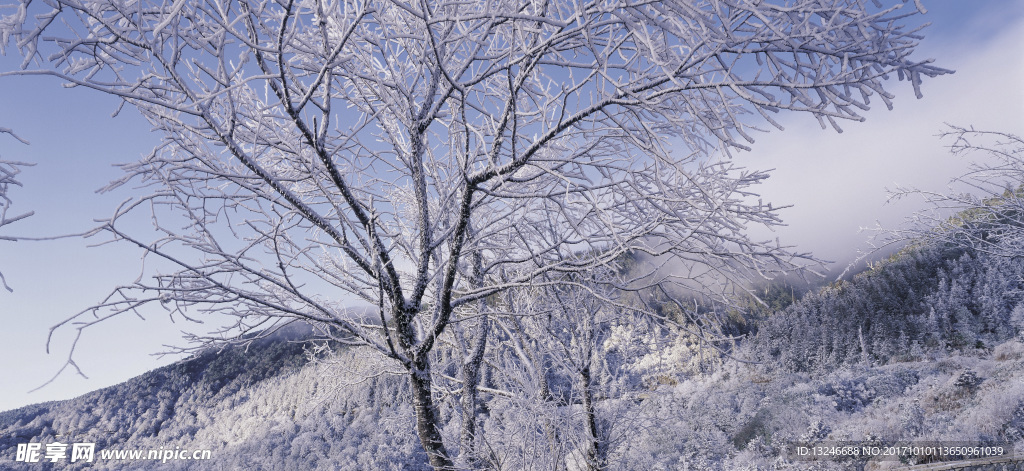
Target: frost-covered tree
425,156
9,171
547,357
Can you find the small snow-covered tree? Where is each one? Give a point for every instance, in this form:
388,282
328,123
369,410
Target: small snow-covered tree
547,358
425,156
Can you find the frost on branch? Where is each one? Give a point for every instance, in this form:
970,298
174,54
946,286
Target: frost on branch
9,171
985,211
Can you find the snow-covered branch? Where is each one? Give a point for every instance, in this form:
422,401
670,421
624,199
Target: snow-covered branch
9,171
984,208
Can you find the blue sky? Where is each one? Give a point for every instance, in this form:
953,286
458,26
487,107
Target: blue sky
836,183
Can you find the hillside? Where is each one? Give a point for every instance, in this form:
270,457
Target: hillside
924,347
924,299
262,407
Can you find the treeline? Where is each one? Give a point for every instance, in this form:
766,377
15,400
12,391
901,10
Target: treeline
926,299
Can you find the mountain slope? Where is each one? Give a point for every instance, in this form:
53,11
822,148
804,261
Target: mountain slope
262,407
925,299
923,347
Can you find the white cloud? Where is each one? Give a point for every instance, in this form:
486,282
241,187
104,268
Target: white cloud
837,182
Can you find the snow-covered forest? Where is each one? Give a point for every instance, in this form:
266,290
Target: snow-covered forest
512,235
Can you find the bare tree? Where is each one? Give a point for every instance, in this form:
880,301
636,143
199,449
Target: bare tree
568,338
984,208
424,156
9,171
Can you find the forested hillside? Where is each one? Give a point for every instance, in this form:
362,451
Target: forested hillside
924,299
923,346
257,406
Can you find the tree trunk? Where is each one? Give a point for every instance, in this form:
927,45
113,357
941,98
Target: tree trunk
427,420
470,381
550,431
595,452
